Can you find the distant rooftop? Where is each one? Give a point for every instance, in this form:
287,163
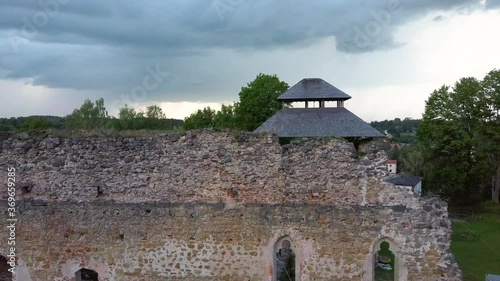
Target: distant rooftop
313,89
403,179
318,122
491,277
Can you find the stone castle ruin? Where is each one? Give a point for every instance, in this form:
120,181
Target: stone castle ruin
214,206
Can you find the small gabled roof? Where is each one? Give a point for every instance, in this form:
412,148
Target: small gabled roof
313,89
403,179
318,122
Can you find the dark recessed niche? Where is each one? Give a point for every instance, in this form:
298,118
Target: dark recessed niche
100,191
26,188
86,275
5,274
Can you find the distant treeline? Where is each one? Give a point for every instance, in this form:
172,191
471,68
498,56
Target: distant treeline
403,131
20,123
95,116
38,122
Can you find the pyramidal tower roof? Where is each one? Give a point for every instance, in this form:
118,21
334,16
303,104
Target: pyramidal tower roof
313,89
317,122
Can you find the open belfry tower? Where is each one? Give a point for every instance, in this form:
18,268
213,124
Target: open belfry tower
318,121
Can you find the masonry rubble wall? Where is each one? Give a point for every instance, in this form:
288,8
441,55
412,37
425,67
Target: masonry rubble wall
211,206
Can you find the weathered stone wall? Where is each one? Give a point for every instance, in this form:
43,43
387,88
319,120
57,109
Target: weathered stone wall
211,206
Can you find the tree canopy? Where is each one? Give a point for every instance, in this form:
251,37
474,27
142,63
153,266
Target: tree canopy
459,137
257,103
155,112
202,118
152,119
95,116
89,116
403,131
127,118
35,123
490,130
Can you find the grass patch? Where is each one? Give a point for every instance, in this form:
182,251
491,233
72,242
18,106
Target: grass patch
384,275
490,207
476,246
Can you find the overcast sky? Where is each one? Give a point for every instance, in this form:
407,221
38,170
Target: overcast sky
389,55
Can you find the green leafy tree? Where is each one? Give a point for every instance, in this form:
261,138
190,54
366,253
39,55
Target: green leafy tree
258,101
4,127
127,113
449,132
490,129
155,112
224,118
403,131
394,153
36,123
412,160
152,119
89,116
11,124
200,119
127,119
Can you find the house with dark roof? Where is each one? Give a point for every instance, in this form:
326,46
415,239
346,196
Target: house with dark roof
409,182
403,180
318,121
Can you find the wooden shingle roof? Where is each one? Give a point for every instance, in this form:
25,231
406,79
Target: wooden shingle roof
318,122
313,89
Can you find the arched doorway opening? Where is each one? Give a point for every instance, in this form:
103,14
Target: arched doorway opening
284,260
384,263
387,261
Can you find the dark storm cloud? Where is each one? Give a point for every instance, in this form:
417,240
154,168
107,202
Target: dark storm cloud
108,45
221,23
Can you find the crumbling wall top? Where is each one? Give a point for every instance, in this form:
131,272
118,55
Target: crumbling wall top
198,166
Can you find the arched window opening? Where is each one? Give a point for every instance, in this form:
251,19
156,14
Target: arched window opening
5,274
384,263
86,275
284,261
